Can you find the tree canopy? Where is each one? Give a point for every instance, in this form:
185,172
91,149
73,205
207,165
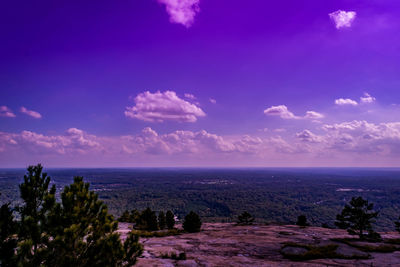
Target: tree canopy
78,231
357,217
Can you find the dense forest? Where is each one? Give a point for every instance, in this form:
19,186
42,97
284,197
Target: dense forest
270,195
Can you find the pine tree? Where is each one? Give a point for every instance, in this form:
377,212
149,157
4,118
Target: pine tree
161,220
148,220
125,217
192,222
76,232
134,216
170,220
245,218
357,218
34,227
86,234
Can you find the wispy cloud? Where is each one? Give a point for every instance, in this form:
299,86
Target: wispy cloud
6,112
166,106
343,19
283,112
181,11
213,101
33,114
345,101
190,96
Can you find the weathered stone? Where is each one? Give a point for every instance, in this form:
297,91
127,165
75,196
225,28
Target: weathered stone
293,251
350,252
223,244
187,263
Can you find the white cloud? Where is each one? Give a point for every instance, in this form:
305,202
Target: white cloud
31,113
213,101
283,112
363,136
343,19
159,107
345,101
313,115
181,11
367,98
6,112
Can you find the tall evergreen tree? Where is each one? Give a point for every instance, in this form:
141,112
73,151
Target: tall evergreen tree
161,220
357,217
76,232
86,234
38,204
170,219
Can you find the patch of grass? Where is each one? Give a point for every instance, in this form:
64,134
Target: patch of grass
382,248
395,241
313,252
174,256
317,252
148,234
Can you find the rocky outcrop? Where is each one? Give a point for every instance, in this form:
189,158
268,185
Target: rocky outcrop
223,244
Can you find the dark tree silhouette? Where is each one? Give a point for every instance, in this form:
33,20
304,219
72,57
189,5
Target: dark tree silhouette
170,220
161,220
245,218
125,217
192,223
79,231
8,243
147,220
302,221
397,225
357,217
38,204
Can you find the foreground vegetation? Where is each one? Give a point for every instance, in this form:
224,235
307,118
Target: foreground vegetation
78,231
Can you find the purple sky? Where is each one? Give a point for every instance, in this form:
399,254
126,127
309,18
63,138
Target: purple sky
200,83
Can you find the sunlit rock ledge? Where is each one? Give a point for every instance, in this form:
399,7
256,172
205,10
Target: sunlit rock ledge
225,244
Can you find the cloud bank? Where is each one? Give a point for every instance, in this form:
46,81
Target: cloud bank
166,106
352,143
181,11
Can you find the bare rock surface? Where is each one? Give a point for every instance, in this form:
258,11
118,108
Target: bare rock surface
224,244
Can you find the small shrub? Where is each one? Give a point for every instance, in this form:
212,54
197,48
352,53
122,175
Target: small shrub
149,234
302,221
161,220
192,223
172,255
170,220
245,219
